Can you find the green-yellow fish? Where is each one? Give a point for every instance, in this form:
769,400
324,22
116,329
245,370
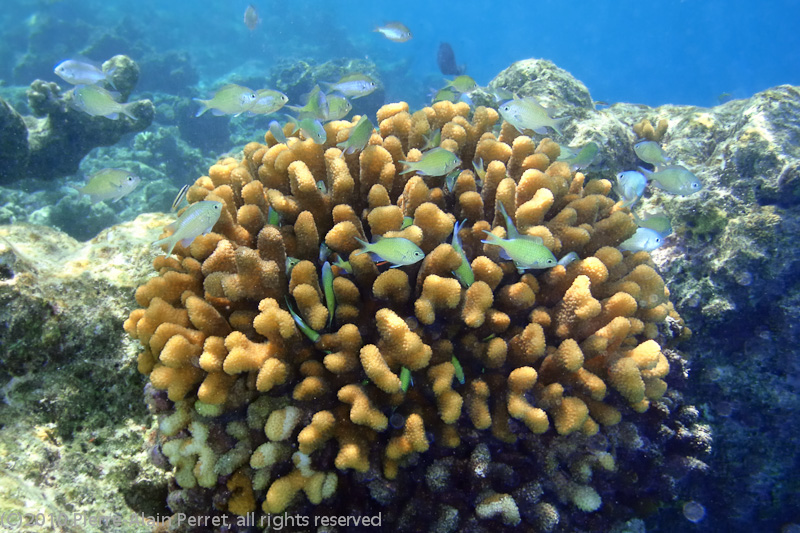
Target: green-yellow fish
197,219
584,157
434,162
448,94
463,84
527,114
651,152
658,222
98,102
675,179
395,250
316,105
464,272
312,128
338,107
231,99
109,184
526,251
359,136
267,101
327,286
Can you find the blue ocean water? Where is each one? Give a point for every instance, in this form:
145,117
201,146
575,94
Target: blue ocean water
670,52
680,52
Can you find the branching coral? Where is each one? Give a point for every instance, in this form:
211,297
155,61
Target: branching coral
408,353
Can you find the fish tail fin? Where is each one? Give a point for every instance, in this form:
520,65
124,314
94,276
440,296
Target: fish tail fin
167,240
363,244
558,123
646,173
126,110
203,103
409,167
492,238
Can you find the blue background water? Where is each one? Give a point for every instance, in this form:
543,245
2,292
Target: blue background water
683,52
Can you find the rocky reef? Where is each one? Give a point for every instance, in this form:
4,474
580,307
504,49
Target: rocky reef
471,456
52,142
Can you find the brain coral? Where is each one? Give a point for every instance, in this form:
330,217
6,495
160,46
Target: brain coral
271,414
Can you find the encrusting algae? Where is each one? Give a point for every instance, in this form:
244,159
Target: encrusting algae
413,360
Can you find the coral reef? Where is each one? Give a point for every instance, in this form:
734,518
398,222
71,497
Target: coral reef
59,136
536,364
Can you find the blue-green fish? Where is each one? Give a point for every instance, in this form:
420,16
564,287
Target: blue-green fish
327,287
344,265
450,180
433,139
651,152
98,102
448,94
511,229
527,252
658,222
398,251
231,99
463,84
434,162
338,107
584,157
359,136
197,219
312,335
630,187
645,239
273,217
277,131
459,370
109,184
316,105
569,258
567,153
395,31
675,179
502,95
290,264
311,128
464,272
480,171
527,114
405,379
353,85
324,252
267,101
407,221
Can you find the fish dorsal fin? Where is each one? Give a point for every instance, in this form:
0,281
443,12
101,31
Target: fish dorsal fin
533,239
